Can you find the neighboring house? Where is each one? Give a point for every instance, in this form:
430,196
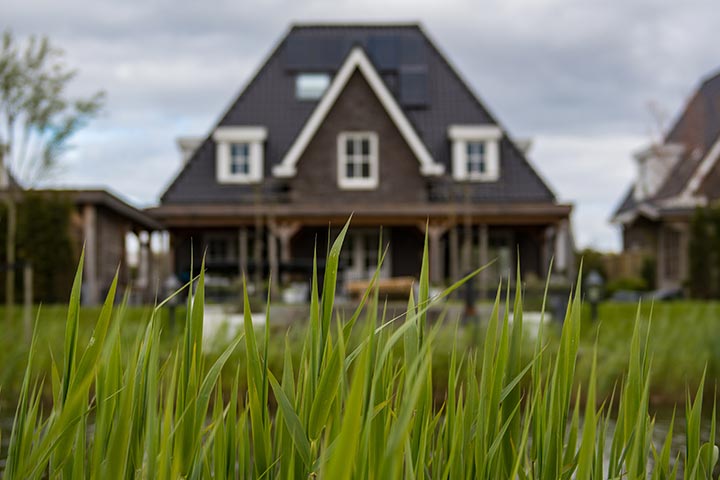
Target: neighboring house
674,178
369,120
100,223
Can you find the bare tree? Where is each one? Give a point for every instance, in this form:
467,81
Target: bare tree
658,122
37,120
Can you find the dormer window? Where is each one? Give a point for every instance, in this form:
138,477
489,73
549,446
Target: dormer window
475,152
475,160
239,154
311,86
239,158
358,160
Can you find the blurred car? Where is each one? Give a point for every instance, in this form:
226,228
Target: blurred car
666,294
626,296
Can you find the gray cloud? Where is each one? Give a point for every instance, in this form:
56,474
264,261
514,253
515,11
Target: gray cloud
575,75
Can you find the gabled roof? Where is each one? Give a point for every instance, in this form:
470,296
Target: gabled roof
357,60
697,129
440,98
105,198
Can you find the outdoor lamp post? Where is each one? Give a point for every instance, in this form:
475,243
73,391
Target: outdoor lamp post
594,285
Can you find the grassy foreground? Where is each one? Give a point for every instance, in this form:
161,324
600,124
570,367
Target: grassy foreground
345,408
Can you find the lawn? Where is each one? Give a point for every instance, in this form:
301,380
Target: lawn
683,342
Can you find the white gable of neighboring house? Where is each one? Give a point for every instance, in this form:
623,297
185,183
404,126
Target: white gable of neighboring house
707,164
654,164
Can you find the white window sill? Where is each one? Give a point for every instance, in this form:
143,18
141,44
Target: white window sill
240,179
347,184
480,178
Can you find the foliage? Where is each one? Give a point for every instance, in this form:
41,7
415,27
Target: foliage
700,248
648,271
704,253
344,410
626,283
37,119
590,260
45,242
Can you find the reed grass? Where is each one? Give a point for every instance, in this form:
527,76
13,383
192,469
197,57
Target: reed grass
347,408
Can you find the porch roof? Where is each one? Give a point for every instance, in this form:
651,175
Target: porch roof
217,215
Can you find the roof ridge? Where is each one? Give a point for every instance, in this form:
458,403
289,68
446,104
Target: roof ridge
710,77
351,24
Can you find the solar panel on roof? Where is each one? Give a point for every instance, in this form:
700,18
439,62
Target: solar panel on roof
391,81
414,85
412,50
312,53
384,50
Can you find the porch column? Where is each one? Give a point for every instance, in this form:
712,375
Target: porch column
90,280
484,258
454,247
144,280
435,232
284,231
547,238
258,253
561,248
171,267
273,261
242,251
466,252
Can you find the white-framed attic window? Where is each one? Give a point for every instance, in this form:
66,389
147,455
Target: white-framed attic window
358,160
239,154
475,152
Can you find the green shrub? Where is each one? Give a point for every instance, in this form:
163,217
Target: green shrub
43,239
626,283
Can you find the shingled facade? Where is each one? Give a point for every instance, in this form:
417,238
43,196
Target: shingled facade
674,178
367,120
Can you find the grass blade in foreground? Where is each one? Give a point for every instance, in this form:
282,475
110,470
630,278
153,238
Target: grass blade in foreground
357,403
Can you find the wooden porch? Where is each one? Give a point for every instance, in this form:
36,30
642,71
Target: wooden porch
265,241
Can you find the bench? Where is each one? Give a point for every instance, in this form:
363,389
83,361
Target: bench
391,287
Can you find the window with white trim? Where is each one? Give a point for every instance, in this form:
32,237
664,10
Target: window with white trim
240,158
475,159
358,160
475,152
239,154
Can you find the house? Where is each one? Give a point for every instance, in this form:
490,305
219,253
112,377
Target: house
100,222
674,177
368,120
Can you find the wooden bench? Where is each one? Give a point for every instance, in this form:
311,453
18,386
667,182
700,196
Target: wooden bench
392,287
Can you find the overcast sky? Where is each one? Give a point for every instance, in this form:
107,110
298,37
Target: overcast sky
575,76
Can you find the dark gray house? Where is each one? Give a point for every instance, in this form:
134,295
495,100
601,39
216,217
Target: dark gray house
674,178
371,120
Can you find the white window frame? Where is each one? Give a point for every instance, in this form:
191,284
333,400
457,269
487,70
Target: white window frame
489,136
224,138
356,183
